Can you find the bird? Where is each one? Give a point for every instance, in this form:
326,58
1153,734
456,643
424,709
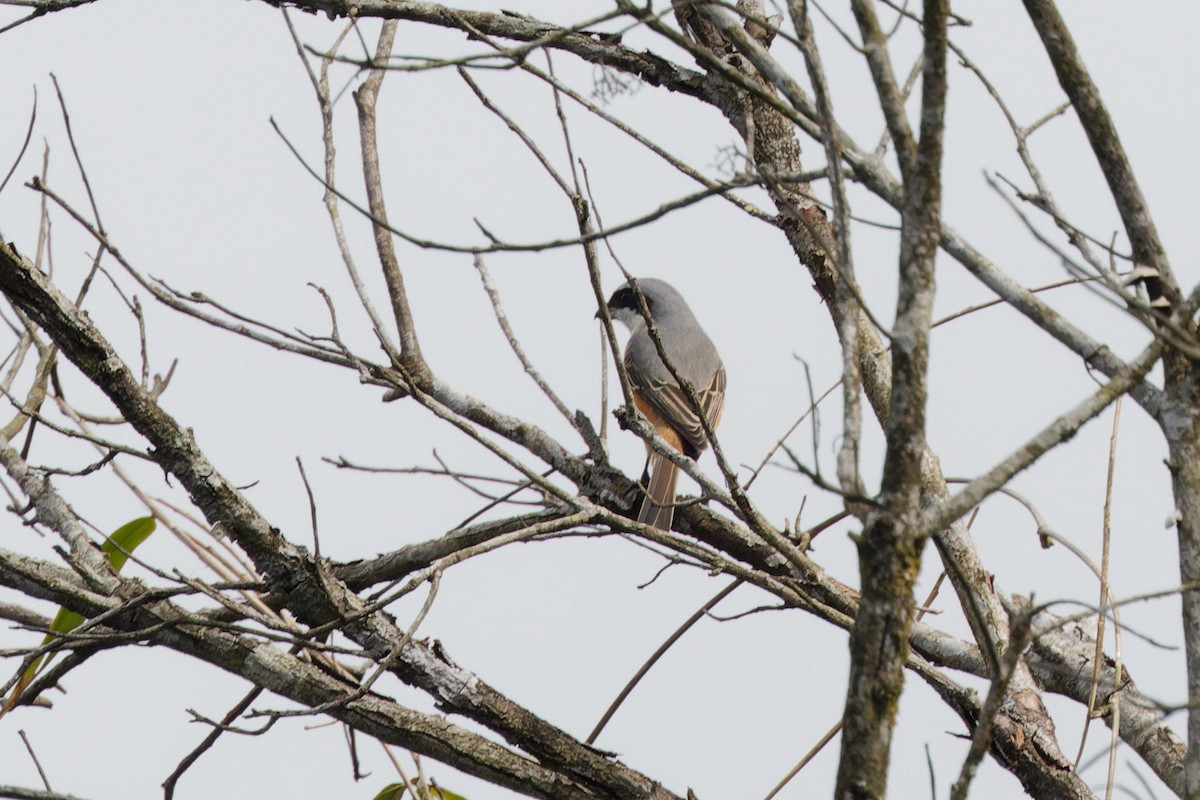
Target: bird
656,392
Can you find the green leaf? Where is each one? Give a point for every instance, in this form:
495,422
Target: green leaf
123,541
393,791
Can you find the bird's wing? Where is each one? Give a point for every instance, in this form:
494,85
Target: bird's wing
670,401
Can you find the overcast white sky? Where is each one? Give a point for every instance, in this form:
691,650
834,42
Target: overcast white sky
170,104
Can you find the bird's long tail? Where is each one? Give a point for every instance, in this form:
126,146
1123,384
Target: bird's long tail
658,509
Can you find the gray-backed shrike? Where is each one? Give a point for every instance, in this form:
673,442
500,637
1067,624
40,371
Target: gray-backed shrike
656,392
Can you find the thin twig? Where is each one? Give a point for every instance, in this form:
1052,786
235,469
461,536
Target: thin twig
312,508
209,740
36,763
662,649
502,318
24,144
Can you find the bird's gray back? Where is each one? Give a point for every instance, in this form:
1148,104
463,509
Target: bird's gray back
686,344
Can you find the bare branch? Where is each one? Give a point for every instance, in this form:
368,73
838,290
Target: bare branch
891,545
1110,155
17,792
365,99
1057,432
890,99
